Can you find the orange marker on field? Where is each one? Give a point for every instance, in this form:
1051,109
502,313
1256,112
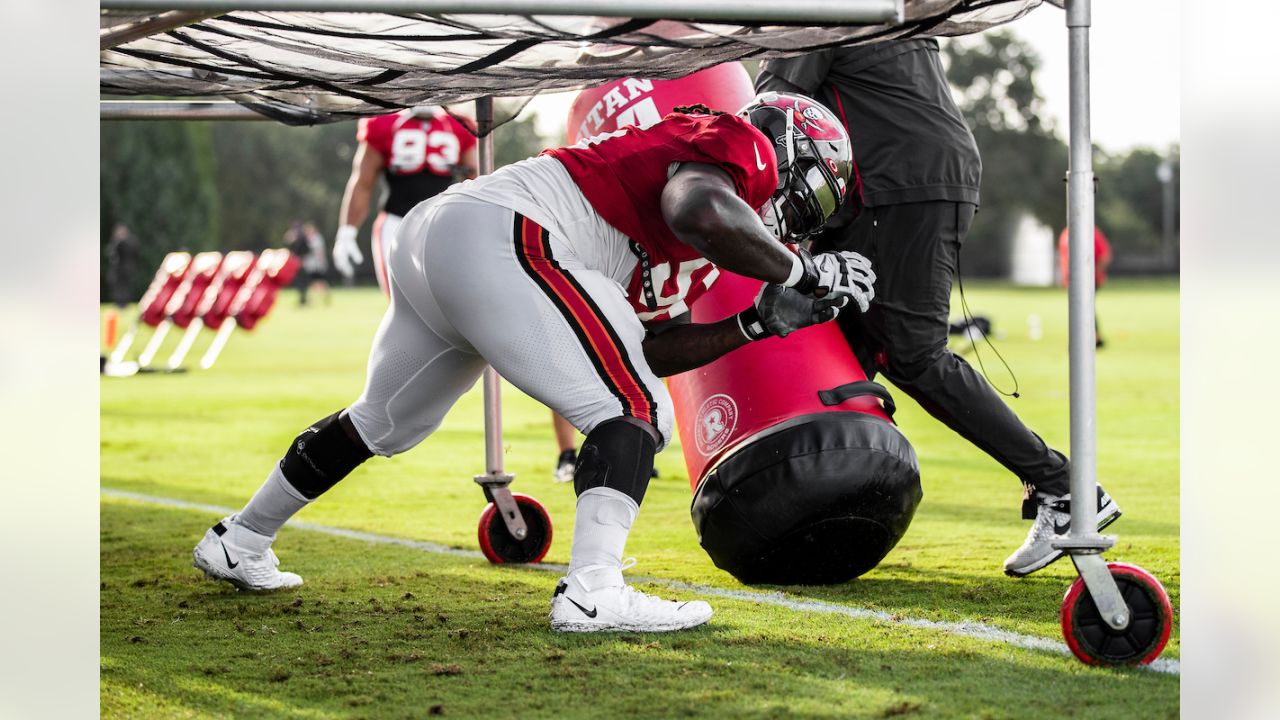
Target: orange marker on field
110,324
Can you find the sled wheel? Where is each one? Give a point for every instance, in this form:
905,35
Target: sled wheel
500,547
1150,620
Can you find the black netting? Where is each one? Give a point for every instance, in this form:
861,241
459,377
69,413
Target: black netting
303,68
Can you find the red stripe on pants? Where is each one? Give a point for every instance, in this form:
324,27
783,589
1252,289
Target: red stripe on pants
609,355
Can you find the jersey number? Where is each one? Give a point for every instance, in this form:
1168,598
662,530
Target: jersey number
673,305
412,148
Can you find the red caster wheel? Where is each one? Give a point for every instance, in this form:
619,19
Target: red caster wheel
1150,620
500,547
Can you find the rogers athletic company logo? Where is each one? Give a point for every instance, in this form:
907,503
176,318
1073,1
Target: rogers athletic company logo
716,421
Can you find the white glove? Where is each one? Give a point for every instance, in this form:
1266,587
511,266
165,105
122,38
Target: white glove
346,253
844,273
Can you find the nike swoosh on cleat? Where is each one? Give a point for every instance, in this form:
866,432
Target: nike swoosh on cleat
589,613
224,552
1062,528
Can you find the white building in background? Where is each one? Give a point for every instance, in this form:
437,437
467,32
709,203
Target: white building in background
1032,262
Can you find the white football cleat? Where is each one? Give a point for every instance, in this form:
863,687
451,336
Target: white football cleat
596,599
1053,520
232,552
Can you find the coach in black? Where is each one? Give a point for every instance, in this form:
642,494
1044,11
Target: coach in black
919,170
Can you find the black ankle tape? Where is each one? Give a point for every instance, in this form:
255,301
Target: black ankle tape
617,454
321,456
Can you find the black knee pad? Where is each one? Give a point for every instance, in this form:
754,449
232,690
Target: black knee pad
617,454
321,456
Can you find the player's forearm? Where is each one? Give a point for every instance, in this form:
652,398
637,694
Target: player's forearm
355,204
687,347
723,229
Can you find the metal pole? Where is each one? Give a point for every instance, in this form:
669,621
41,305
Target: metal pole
175,110
1165,175
1080,293
492,382
793,11
1083,541
121,34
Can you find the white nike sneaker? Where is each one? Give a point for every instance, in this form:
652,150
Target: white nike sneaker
1053,520
232,552
596,599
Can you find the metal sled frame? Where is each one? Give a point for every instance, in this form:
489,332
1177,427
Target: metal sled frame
1083,542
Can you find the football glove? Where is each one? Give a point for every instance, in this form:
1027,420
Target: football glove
346,253
781,311
843,273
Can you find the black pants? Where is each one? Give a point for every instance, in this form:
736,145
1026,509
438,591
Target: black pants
915,250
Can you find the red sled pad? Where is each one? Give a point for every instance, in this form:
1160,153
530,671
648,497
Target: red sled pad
726,403
181,308
235,269
275,269
151,309
800,475
635,101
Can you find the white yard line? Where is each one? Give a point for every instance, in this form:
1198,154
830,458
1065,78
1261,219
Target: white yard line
976,630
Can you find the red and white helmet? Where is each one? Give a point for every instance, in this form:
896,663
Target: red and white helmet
815,162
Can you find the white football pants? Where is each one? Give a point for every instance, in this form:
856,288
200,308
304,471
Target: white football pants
472,282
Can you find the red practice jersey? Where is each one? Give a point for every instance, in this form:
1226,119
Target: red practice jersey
1101,256
419,153
622,175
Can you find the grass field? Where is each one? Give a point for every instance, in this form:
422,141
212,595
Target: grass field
384,631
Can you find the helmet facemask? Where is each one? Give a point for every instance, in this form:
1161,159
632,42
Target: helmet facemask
810,189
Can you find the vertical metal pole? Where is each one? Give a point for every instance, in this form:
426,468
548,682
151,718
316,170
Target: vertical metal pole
1084,542
1165,174
492,382
1080,293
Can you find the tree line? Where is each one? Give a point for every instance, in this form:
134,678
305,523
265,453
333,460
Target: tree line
239,185
1024,163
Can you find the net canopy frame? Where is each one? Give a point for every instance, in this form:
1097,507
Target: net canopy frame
310,61
303,62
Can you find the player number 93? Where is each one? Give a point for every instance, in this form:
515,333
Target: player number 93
411,148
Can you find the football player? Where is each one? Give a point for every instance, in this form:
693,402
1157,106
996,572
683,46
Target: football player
421,152
573,284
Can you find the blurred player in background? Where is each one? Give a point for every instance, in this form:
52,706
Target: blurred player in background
420,152
122,266
1101,261
573,282
308,244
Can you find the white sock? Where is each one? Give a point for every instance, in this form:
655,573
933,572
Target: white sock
274,503
600,530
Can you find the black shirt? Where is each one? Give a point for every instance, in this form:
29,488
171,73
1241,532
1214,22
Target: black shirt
406,191
910,141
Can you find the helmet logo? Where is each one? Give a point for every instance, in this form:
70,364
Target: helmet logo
815,124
